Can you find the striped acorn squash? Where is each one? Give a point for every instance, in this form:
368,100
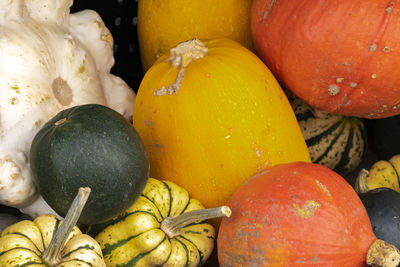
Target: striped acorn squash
334,141
164,227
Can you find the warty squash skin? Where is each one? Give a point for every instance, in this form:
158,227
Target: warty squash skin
163,24
50,60
221,121
339,56
298,214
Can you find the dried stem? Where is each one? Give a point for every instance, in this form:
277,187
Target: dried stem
51,256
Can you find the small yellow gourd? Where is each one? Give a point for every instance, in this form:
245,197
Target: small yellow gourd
164,227
47,241
383,173
211,115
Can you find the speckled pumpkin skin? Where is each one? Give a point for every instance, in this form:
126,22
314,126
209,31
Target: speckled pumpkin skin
340,56
295,214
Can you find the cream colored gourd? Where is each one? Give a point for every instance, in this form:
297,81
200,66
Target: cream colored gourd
49,60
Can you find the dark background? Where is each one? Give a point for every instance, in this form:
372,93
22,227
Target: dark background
120,17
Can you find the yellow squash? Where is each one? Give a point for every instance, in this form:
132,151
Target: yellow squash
164,227
162,24
211,115
383,173
49,242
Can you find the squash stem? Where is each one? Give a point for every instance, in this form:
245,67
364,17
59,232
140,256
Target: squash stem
383,254
361,184
180,57
51,256
186,52
172,226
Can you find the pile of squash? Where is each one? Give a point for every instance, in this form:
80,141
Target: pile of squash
262,133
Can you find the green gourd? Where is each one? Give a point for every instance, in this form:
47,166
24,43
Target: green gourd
89,146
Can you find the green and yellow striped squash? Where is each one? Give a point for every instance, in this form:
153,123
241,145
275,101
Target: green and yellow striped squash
23,244
136,237
334,141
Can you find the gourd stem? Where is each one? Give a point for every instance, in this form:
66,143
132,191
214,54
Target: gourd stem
361,184
51,256
186,52
180,57
172,226
383,254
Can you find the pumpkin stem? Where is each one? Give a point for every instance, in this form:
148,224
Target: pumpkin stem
172,226
180,57
51,256
383,254
361,184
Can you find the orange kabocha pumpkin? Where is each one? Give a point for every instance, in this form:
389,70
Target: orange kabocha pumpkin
299,214
211,114
338,55
163,24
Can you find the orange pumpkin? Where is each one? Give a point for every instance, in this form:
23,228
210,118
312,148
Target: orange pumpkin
299,214
210,115
163,24
339,56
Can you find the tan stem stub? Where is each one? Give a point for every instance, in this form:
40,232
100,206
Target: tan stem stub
186,52
361,183
383,254
60,121
172,226
180,57
52,254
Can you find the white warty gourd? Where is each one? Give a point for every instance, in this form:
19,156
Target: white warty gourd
50,60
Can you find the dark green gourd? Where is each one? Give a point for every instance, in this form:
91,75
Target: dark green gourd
383,207
89,146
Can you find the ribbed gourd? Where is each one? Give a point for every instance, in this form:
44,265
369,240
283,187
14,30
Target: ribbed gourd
49,242
334,141
164,227
383,173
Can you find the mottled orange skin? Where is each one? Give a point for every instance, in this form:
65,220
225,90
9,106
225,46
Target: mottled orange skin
349,48
271,226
